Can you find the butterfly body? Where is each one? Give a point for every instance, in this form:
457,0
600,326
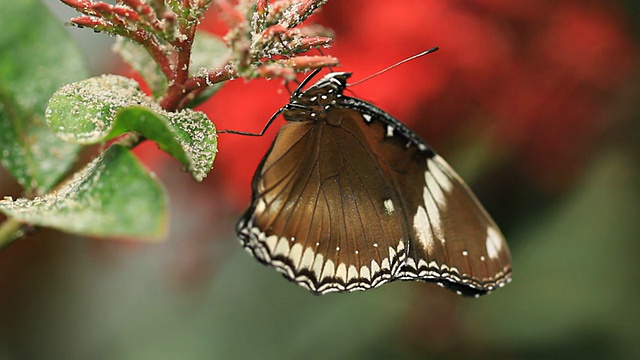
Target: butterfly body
348,198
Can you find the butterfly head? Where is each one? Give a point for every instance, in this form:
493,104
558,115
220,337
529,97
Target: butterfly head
336,81
310,104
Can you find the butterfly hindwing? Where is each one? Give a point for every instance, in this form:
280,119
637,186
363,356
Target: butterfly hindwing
453,241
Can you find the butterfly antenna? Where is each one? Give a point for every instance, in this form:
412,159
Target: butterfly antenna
395,65
322,53
305,81
296,92
245,133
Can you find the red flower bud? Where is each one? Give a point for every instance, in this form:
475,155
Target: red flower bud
78,4
140,8
91,22
300,11
316,41
274,71
126,13
310,62
273,31
102,8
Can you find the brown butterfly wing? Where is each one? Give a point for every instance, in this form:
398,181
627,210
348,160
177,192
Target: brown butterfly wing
322,208
455,242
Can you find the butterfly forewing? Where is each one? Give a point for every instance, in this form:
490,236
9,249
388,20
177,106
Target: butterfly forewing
348,198
328,223
455,242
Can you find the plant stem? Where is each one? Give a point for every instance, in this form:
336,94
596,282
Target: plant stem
9,231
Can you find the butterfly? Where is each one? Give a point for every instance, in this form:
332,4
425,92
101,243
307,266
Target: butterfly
348,198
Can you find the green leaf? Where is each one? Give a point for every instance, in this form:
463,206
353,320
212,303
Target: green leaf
140,60
84,112
99,109
209,52
188,135
112,196
38,57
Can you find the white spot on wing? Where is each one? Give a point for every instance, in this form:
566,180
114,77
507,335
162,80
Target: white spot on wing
364,273
434,189
367,117
388,207
385,264
494,242
375,268
423,229
295,254
352,273
389,131
433,213
260,206
307,259
282,248
438,174
329,270
341,272
317,266
271,242
411,263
